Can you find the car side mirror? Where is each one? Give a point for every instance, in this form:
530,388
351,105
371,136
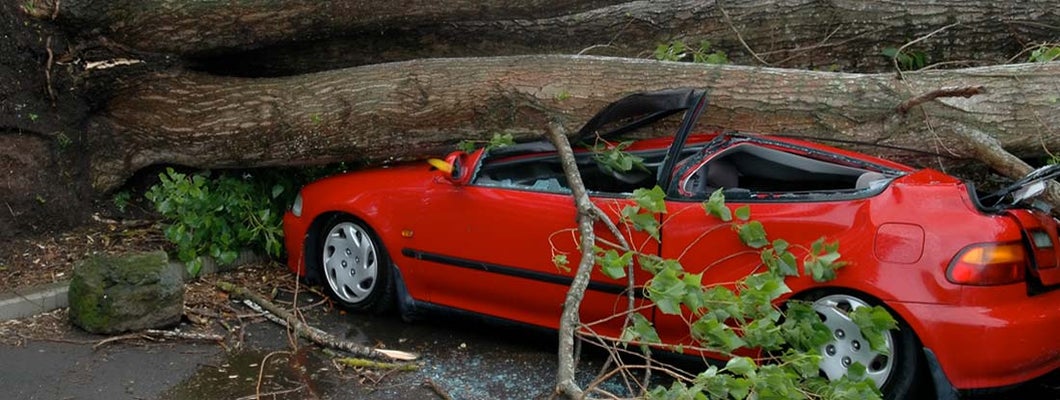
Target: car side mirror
454,167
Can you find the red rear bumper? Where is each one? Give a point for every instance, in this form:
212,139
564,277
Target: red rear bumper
985,347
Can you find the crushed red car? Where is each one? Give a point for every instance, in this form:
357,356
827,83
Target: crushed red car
971,278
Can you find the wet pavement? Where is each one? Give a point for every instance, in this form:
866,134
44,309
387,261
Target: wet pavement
467,358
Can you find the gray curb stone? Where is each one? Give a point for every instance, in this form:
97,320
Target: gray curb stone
21,303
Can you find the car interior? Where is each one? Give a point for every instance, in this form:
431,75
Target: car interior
742,169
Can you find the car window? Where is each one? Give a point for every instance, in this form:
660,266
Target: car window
544,173
757,172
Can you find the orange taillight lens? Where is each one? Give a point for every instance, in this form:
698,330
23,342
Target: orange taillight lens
989,264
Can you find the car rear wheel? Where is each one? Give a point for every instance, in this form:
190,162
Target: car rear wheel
895,371
355,266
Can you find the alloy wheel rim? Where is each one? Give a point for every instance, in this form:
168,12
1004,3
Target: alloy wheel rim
350,262
848,345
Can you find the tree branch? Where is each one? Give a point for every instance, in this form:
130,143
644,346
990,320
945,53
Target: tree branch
313,334
965,92
570,319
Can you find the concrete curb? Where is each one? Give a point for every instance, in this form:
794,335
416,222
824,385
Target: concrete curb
21,303
25,302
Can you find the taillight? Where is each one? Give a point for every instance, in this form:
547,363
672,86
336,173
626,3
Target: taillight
989,264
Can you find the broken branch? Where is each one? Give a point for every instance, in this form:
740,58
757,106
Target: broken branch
965,92
363,363
152,334
283,317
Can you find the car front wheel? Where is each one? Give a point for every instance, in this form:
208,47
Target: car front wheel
894,371
355,266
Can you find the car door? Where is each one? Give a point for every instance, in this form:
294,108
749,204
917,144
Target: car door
490,250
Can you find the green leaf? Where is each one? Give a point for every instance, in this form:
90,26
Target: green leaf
802,327
227,257
667,290
743,213
277,190
739,387
652,200
561,262
715,205
642,221
715,333
467,146
194,266
614,265
500,140
740,366
890,52
752,234
874,323
763,334
857,371
640,330
806,364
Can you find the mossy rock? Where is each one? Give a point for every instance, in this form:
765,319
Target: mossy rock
130,292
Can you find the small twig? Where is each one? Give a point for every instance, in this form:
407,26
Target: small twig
152,334
261,370
55,10
364,363
739,36
595,46
205,337
48,66
273,394
131,223
437,389
965,92
112,339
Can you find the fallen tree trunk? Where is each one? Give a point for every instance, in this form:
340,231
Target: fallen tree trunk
847,35
389,112
197,27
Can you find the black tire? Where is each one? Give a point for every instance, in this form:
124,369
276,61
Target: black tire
905,366
354,267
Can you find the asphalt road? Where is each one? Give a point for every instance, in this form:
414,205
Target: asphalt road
468,359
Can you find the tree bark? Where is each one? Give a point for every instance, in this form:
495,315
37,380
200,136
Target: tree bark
400,111
203,27
839,34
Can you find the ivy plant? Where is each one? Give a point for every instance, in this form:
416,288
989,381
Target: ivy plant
745,314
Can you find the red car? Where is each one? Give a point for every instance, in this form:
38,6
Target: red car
970,278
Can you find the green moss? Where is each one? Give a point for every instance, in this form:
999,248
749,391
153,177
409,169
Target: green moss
108,292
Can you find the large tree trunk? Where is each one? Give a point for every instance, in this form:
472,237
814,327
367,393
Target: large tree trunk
387,112
303,35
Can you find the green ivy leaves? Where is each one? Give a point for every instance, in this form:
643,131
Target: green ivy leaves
874,322
745,313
